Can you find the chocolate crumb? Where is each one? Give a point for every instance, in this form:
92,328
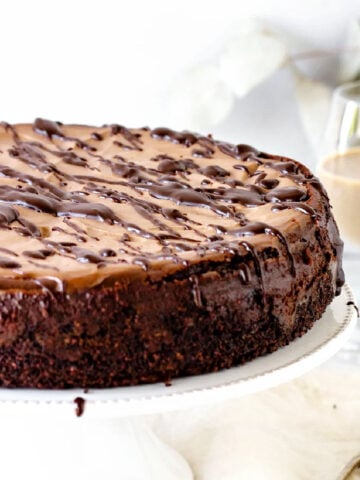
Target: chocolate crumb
80,406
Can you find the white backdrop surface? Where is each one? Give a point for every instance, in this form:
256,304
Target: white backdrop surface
108,61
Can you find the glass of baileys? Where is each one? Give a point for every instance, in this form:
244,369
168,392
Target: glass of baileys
339,167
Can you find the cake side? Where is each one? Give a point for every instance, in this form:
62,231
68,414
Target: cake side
208,318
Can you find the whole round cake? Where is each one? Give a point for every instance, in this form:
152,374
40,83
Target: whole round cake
134,255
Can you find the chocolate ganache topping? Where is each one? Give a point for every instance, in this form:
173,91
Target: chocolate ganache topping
80,205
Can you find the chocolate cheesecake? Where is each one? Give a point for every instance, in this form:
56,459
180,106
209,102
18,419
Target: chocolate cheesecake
133,256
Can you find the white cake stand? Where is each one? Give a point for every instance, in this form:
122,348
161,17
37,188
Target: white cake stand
109,440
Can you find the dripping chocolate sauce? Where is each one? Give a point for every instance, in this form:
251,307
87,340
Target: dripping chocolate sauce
168,180
356,308
80,406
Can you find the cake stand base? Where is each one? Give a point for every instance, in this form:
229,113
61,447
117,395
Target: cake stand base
42,438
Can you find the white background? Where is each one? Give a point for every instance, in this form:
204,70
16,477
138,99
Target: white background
111,61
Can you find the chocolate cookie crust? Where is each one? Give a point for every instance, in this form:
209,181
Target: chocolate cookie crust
133,256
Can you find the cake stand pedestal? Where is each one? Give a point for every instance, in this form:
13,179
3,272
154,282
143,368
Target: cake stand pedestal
41,434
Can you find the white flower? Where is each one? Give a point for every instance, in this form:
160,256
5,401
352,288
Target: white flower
313,99
350,59
199,99
251,57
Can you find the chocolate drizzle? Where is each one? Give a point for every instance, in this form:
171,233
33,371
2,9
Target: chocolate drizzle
257,265
355,307
7,263
185,138
47,127
196,291
257,228
80,406
144,209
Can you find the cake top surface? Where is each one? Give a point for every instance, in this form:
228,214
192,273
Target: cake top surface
79,204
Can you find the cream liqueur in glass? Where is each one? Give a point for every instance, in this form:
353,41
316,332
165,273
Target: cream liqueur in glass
339,168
